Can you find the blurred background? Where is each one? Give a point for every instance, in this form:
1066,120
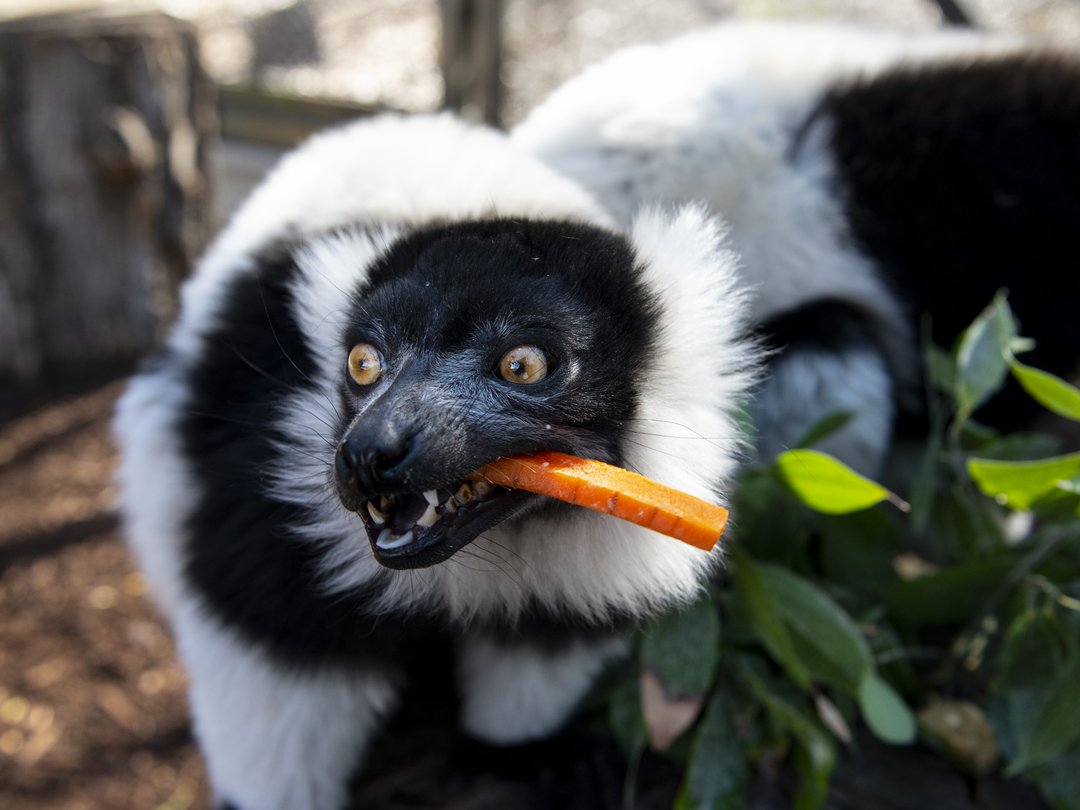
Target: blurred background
127,135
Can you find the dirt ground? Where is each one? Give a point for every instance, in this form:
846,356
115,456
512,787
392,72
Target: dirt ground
92,707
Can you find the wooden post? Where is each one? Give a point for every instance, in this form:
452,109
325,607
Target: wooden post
954,13
105,124
471,58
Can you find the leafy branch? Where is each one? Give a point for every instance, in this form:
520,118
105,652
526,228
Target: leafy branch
848,604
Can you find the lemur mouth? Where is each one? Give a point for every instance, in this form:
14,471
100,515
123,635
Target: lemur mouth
407,530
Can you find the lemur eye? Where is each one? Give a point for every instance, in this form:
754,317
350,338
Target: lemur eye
365,364
524,365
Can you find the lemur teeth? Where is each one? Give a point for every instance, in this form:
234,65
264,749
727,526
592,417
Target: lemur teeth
376,515
388,540
466,493
429,518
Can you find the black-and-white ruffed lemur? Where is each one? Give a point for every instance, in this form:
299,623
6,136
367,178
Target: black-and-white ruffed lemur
752,213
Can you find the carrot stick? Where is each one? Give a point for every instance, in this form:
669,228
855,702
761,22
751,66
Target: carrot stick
624,494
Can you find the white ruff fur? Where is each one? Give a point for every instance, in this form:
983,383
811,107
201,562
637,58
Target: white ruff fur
518,694
156,494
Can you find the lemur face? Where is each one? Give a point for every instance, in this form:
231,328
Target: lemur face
472,342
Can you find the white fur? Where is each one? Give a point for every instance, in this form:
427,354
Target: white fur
275,738
515,694
155,491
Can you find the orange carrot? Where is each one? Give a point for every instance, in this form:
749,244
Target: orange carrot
624,494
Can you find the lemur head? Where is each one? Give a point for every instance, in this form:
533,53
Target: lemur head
473,341
440,348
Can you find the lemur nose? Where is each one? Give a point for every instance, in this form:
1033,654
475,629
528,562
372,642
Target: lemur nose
370,464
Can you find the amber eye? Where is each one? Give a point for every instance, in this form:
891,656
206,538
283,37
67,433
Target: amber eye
365,364
524,365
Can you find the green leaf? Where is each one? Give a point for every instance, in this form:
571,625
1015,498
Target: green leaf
973,435
965,524
1058,779
1052,392
954,593
1019,447
1013,713
1058,724
679,656
885,713
950,595
981,356
816,621
1072,486
825,427
682,648
815,752
941,369
761,608
771,523
857,549
624,717
717,774
827,485
1061,504
925,482
1021,483
1034,651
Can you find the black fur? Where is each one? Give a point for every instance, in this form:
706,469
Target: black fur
242,556
960,179
824,324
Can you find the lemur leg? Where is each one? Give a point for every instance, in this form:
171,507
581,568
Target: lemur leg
274,737
826,362
515,692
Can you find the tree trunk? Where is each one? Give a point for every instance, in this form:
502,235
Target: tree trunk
104,200
471,58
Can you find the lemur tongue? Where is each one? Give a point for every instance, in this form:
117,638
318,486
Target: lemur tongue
410,508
